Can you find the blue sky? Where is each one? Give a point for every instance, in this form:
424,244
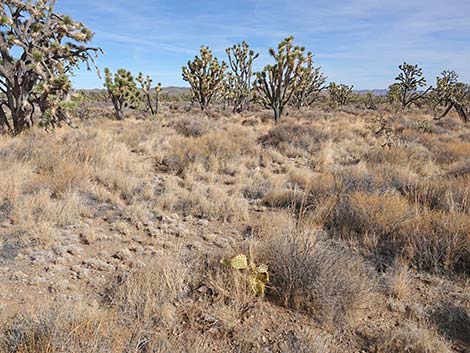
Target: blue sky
358,42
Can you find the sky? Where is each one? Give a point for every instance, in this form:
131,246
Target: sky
357,42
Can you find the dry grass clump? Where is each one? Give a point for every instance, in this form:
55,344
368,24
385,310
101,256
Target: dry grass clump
398,280
312,274
149,293
413,339
294,140
62,329
388,227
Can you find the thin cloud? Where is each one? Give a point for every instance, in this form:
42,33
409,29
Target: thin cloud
356,41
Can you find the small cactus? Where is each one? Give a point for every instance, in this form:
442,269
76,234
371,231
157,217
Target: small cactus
205,75
259,274
122,90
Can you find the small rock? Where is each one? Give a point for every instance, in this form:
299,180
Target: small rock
123,254
203,222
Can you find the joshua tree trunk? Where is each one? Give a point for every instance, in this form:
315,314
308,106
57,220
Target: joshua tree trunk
118,109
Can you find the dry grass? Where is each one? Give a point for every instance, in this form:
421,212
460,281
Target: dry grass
149,293
317,198
59,330
413,340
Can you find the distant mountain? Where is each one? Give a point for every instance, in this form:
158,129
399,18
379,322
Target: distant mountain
377,92
176,91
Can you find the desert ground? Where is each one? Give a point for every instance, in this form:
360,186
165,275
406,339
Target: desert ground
120,236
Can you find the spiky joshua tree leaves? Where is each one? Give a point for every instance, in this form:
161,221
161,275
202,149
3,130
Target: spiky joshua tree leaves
240,59
39,48
122,90
311,83
409,81
340,93
276,84
205,75
146,87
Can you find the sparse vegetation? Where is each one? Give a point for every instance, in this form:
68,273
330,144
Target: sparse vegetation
343,228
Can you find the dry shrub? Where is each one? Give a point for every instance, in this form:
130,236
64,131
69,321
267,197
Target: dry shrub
373,213
388,227
293,139
310,273
413,340
62,329
438,241
192,126
148,294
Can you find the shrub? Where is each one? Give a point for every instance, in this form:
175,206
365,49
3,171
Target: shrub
311,274
190,127
303,137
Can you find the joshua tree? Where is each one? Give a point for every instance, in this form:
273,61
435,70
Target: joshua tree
409,81
450,93
204,74
311,83
38,49
393,94
340,93
146,87
276,84
240,59
122,90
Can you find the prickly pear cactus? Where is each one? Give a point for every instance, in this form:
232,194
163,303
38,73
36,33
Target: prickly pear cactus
259,275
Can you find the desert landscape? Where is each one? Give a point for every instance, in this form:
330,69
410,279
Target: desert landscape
250,211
